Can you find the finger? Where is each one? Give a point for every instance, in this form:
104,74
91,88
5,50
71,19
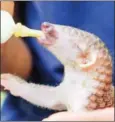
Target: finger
98,115
61,116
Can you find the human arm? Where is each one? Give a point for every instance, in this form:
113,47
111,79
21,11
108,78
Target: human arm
15,55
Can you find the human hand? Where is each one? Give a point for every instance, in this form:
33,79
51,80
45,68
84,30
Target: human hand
98,115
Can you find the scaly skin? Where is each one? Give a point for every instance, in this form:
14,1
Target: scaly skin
103,96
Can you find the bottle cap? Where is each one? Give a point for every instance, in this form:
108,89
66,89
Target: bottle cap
7,26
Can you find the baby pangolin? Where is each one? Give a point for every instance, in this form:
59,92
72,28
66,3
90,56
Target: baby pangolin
78,45
87,83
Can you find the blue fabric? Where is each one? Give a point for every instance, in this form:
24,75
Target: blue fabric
95,17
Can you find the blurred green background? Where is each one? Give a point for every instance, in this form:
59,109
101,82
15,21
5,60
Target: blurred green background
3,95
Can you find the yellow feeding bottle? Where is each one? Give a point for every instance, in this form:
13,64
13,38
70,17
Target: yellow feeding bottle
9,28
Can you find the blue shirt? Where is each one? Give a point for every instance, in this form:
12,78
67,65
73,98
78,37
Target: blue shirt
95,17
